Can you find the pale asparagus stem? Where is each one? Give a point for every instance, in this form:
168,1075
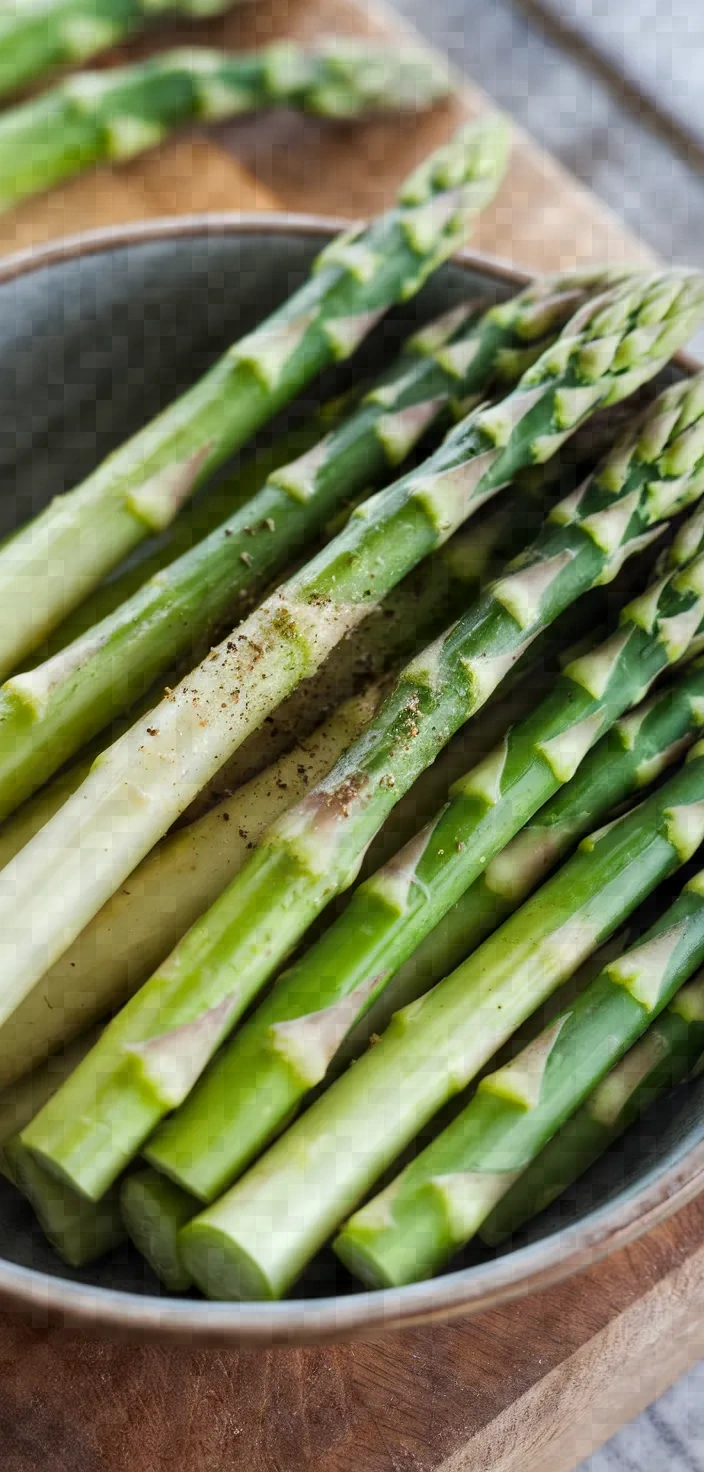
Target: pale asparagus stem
141,784
438,1203
117,113
36,39
54,562
79,1230
255,1240
286,1047
667,1054
46,715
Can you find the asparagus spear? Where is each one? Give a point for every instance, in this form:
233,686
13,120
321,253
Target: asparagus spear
437,1204
154,1211
663,1058
141,486
47,713
146,779
269,1067
79,1230
36,38
256,1239
115,114
243,936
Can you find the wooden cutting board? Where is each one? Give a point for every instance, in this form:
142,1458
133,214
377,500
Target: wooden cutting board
535,1386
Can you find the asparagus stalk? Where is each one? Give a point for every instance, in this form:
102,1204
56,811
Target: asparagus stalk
145,780
256,1239
37,38
437,1204
287,1046
141,486
112,115
664,1057
47,713
154,1211
79,1230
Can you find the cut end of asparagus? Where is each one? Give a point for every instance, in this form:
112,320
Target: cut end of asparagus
220,1267
154,1210
357,1256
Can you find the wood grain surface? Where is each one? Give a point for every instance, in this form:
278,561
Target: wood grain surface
533,1387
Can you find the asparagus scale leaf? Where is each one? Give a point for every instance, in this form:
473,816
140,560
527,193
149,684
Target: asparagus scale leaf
286,1047
142,485
665,1056
48,712
256,1239
438,1203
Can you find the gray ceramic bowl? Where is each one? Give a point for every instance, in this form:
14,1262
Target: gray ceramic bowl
95,336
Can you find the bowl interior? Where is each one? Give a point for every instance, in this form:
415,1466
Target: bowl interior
90,347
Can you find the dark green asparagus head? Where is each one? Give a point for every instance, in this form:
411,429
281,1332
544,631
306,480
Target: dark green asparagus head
609,348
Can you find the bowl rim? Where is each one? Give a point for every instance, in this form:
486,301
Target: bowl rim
537,1266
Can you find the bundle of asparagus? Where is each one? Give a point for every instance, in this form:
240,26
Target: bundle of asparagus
153,1053
49,566
112,115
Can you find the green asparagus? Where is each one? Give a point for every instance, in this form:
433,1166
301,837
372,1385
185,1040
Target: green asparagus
38,37
280,1054
48,567
47,713
667,1054
256,1239
79,1230
112,115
